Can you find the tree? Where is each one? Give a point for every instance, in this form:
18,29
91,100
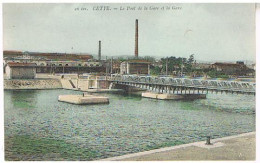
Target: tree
191,59
155,70
174,64
189,63
149,58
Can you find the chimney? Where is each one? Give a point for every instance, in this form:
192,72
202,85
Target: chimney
136,38
99,50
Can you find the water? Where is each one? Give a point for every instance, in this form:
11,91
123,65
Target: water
38,127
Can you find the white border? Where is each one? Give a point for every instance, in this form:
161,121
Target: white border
130,1
257,20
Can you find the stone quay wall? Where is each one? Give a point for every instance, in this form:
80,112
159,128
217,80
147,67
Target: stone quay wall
32,84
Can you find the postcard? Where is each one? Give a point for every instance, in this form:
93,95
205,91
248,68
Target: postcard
129,81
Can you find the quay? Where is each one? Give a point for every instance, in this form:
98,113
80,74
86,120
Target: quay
238,147
26,84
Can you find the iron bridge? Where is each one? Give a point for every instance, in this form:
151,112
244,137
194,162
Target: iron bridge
184,85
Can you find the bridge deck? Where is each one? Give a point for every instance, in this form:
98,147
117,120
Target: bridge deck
170,83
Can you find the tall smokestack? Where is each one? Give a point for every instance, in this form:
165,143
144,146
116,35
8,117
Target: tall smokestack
99,50
136,38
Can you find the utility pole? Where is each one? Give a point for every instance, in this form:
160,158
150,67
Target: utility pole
167,66
112,65
99,51
106,67
181,66
106,63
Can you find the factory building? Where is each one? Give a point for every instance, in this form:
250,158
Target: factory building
135,67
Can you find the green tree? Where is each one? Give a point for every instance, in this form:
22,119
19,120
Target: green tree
188,66
155,70
191,59
174,64
149,58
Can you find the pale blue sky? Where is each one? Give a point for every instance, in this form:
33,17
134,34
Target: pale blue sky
210,31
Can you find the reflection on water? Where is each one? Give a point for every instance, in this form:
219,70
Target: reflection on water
21,100
230,103
35,120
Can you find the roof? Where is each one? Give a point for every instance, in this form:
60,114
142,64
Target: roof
224,63
12,51
14,64
228,64
138,61
81,56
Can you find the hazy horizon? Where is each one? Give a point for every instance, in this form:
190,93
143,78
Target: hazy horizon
210,31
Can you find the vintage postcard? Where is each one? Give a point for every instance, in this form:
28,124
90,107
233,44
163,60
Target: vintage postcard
129,82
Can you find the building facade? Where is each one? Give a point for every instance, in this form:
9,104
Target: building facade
55,62
238,69
135,67
20,70
60,66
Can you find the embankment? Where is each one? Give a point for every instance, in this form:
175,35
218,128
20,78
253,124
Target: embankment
32,84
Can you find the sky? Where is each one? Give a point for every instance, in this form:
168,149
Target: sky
211,32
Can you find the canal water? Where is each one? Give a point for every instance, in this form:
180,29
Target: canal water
38,127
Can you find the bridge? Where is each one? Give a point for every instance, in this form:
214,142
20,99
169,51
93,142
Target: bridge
173,85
